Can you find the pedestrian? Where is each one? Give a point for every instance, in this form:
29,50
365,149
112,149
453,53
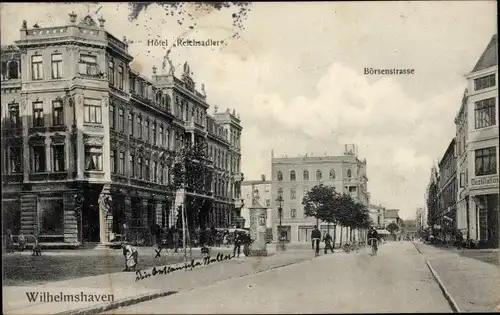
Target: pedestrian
237,243
124,230
175,238
213,236
328,242
37,249
316,237
22,241
9,242
226,239
131,257
459,239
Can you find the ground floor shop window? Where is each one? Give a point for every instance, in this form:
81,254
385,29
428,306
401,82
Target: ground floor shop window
51,215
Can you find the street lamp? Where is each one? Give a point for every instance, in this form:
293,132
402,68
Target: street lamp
281,237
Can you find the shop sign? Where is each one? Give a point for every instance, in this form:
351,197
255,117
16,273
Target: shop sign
484,180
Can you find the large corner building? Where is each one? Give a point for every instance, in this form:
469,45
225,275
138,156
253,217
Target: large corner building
87,142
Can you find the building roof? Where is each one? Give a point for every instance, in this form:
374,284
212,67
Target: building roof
489,56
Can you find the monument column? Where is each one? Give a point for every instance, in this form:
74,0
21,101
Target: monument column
258,219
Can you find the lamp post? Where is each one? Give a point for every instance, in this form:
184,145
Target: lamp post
281,238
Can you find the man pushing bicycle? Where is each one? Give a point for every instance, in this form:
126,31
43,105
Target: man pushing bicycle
373,240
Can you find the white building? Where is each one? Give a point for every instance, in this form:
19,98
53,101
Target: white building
482,147
264,188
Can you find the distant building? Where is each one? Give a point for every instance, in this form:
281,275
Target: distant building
462,194
293,177
377,215
446,217
432,200
392,216
421,219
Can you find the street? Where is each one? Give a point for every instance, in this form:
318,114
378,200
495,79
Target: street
397,280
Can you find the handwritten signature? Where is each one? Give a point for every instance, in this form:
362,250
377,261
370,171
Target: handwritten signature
141,275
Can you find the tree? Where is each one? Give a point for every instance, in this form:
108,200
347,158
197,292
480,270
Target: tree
191,171
393,228
319,202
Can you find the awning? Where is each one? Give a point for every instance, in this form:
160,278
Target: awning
383,232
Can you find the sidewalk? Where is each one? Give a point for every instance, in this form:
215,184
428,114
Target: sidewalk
474,285
123,286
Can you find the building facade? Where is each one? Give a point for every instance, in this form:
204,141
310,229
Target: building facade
462,202
293,177
482,147
421,219
88,143
432,200
446,216
377,216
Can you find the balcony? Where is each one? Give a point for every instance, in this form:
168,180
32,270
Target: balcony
238,177
192,126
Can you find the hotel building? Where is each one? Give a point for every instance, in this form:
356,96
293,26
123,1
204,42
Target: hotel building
88,143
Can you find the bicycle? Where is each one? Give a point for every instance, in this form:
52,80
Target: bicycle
347,247
316,252
373,245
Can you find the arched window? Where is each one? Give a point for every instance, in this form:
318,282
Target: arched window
280,176
4,70
349,173
306,175
292,176
332,174
318,175
13,70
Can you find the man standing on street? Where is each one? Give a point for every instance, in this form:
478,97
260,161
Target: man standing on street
237,243
328,242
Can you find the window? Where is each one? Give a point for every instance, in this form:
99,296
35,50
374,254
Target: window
111,72
139,167
121,120
132,85
280,176
93,158
58,158
57,113
146,130
37,114
131,165
484,82
120,77
162,174
160,139
153,136
268,202
153,170
485,113
38,160
112,160
131,124
51,217
332,174
139,126
14,120
292,176
293,213
280,192
92,111
111,116
486,163
57,68
462,180
292,193
121,165
146,169
88,65
37,67
15,160
349,173
305,175
318,175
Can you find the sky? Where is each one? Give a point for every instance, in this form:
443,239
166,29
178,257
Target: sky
295,74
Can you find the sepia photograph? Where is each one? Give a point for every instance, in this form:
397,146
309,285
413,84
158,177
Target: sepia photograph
250,157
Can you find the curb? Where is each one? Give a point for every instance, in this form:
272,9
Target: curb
151,296
446,294
418,250
117,304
